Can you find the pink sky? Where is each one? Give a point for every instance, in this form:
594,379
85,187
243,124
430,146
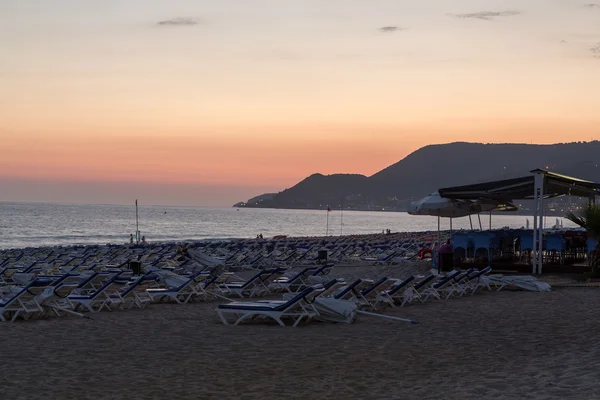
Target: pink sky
101,103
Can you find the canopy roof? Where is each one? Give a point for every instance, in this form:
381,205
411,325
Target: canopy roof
522,188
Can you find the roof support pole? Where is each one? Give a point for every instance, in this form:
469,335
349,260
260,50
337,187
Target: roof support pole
538,218
541,229
435,254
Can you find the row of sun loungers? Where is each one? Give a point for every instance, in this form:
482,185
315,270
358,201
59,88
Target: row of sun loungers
116,289
363,293
248,253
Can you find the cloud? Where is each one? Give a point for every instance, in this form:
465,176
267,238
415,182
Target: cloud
178,22
390,29
595,50
592,5
487,15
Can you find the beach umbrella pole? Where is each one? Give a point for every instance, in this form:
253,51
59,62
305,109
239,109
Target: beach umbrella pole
412,321
71,312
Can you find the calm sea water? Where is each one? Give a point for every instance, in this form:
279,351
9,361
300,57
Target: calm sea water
37,224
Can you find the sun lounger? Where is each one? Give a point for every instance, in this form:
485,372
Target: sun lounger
181,294
294,283
478,280
352,291
417,290
328,289
21,302
134,294
253,286
367,297
297,308
99,299
395,293
440,289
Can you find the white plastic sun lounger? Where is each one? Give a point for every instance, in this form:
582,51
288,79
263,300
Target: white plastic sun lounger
253,286
442,288
295,282
478,280
135,294
99,299
395,294
21,302
367,297
297,308
418,290
183,293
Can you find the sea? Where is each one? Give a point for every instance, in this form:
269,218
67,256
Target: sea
44,224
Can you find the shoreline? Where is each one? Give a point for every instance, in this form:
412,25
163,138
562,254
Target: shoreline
276,238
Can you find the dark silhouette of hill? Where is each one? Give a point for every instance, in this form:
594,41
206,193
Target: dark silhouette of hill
315,192
435,166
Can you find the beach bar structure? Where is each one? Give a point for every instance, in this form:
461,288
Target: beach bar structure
539,186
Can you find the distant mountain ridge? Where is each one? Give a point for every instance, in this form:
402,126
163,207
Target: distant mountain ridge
430,168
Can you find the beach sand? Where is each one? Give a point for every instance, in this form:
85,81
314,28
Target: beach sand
494,345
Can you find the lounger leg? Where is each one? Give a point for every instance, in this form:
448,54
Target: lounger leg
295,323
223,319
244,317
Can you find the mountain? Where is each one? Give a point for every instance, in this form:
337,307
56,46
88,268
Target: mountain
433,167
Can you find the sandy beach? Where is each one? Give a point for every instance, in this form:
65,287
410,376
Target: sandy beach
493,345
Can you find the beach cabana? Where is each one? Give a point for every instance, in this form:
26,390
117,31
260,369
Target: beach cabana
540,185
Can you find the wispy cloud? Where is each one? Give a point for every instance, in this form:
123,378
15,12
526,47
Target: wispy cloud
592,5
178,22
390,29
595,50
486,15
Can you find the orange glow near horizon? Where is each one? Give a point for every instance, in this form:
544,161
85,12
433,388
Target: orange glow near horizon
250,99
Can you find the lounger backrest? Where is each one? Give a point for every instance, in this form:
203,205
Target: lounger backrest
20,293
108,283
137,282
486,270
185,283
295,299
374,286
446,280
14,296
424,282
322,269
272,274
347,289
465,275
401,285
480,273
256,277
92,277
301,274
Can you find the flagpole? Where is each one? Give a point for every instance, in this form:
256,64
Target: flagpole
137,224
327,231
342,219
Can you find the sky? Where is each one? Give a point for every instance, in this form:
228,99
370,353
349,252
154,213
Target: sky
195,102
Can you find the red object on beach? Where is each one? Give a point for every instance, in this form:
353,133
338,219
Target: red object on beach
328,209
423,252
